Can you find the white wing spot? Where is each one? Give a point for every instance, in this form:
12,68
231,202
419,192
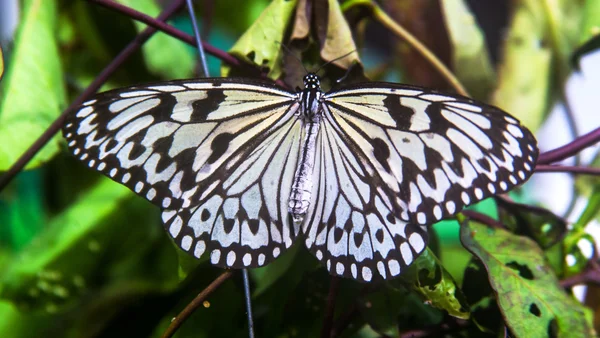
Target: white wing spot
465,197
503,185
353,270
514,130
186,242
319,254
231,258
83,157
69,135
328,264
512,179
200,248
215,256
367,275
339,268
175,227
261,259
247,259
381,269
151,194
91,163
510,120
530,158
416,241
76,151
113,172
139,186
101,166
491,188
126,178
421,218
276,252
166,202
526,165
451,207
437,212
394,267
478,193
406,252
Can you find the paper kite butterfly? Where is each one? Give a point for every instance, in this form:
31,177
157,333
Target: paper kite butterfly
241,168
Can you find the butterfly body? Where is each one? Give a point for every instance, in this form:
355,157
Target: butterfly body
242,168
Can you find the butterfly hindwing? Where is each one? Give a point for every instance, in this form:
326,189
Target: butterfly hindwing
351,228
217,155
437,153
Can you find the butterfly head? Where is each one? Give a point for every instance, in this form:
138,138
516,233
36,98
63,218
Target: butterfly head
311,81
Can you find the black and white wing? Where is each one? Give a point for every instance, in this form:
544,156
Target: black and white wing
432,153
217,155
351,226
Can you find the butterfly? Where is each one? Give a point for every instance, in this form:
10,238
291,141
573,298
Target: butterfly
243,168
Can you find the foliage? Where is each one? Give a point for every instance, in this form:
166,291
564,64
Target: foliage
83,257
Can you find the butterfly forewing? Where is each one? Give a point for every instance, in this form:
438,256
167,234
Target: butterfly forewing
434,153
211,153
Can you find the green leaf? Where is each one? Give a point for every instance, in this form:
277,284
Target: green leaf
531,300
590,21
525,71
164,55
435,285
33,94
335,36
259,45
95,237
539,224
268,275
470,59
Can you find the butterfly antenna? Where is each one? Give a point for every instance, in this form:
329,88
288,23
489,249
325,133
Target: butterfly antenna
334,60
289,51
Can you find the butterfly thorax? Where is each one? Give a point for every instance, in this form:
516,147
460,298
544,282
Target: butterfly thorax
310,98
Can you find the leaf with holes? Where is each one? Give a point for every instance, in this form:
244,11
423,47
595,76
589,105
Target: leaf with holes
435,285
531,300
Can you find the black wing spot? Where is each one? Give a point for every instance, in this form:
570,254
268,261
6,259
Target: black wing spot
203,107
535,310
381,151
405,140
485,164
379,235
401,114
358,239
219,146
523,270
205,215
390,218
136,151
337,234
253,224
228,225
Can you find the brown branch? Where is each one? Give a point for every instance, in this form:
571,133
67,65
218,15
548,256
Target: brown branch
555,168
195,303
570,148
481,218
330,309
168,29
591,275
131,48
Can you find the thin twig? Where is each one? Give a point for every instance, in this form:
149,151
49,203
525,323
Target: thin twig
481,218
570,148
381,16
330,309
168,29
543,168
195,303
591,275
198,38
131,48
248,303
